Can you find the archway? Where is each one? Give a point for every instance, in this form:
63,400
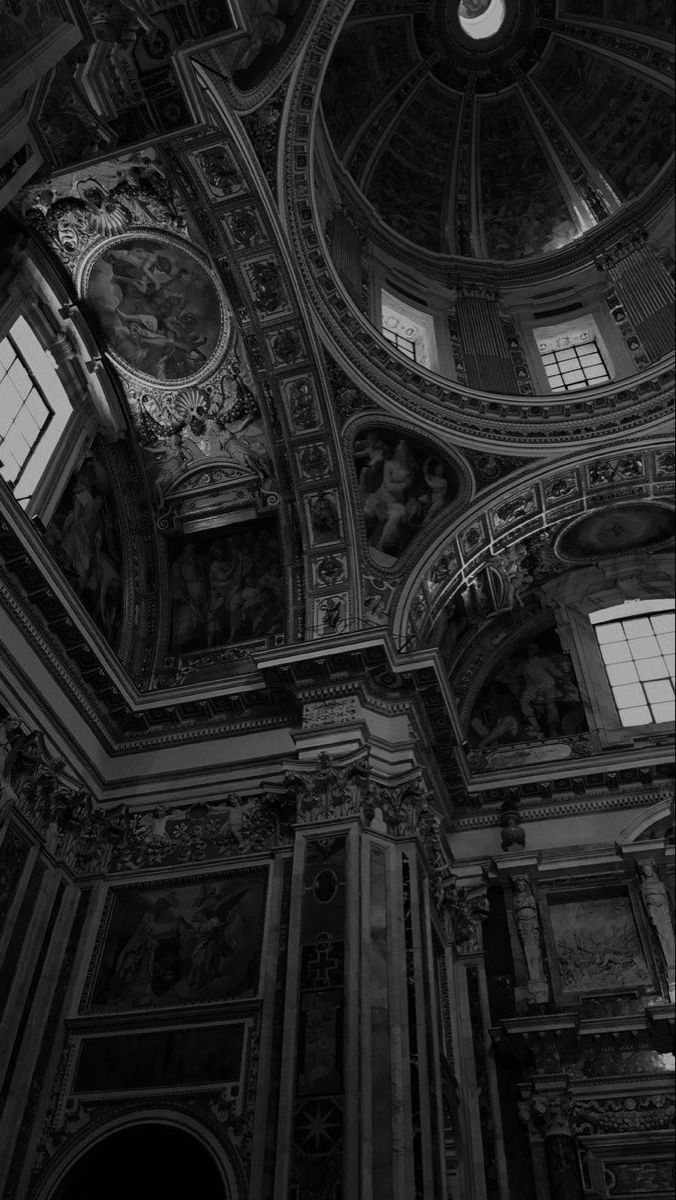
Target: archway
144,1160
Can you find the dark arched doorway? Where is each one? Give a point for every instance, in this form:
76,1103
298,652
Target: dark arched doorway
142,1162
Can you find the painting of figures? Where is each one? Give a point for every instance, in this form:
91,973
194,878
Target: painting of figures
169,945
226,586
403,487
272,25
84,537
532,695
157,306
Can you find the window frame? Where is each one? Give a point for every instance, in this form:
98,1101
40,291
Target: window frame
576,596
630,611
584,321
32,289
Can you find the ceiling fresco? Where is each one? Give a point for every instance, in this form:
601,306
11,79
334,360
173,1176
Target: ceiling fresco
197,354
523,212
160,311
426,133
628,123
522,139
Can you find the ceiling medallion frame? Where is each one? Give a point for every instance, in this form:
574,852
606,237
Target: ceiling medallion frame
175,248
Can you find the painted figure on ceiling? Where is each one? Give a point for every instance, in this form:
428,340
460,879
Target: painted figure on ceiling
402,489
268,28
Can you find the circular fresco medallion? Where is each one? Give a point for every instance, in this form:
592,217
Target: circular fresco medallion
616,531
158,306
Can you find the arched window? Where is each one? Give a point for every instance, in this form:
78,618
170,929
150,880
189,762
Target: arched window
34,410
636,641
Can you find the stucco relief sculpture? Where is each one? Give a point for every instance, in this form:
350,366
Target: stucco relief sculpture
597,945
219,424
656,901
463,912
107,199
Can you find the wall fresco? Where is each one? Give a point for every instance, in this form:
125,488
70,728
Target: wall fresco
226,586
403,487
530,696
597,945
628,124
158,307
178,944
84,537
523,210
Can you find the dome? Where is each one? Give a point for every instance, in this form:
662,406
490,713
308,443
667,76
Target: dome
499,129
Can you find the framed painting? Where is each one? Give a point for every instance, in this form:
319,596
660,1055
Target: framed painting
179,942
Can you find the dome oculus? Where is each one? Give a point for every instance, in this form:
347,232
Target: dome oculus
481,19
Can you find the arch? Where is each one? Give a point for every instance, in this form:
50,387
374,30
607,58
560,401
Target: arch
656,822
540,499
135,1127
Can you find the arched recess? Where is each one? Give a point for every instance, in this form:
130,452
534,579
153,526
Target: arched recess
657,822
526,513
179,1135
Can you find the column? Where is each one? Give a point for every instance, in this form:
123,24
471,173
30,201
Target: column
361,1109
548,1118
645,290
486,353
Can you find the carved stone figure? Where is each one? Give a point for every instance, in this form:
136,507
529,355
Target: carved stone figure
528,926
463,915
656,902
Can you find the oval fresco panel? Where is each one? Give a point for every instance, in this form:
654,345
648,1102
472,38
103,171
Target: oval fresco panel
158,307
616,531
